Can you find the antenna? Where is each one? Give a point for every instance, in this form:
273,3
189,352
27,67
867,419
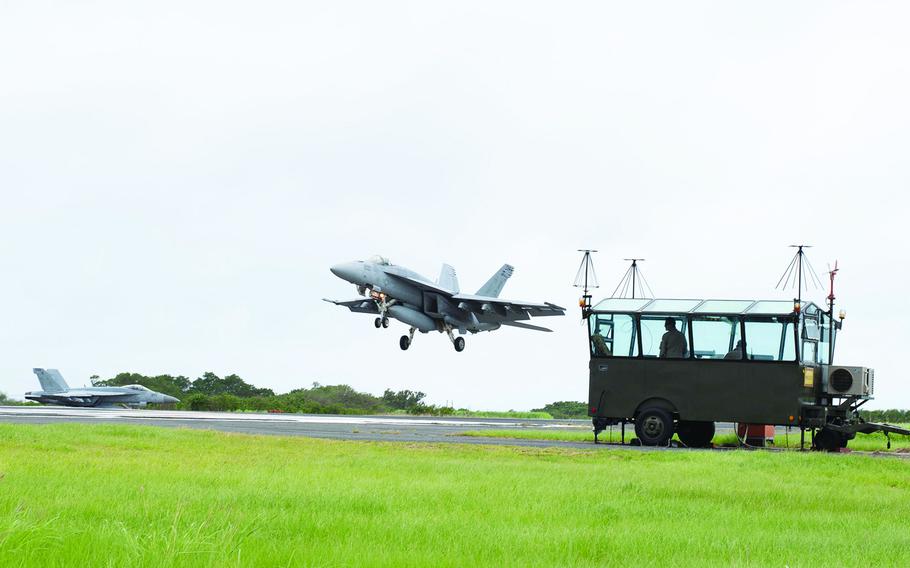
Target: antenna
797,271
586,278
831,273
631,279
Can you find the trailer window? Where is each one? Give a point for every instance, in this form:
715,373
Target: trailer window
824,344
653,330
716,337
613,335
770,339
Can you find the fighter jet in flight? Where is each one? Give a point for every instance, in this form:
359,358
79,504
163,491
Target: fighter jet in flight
395,292
56,391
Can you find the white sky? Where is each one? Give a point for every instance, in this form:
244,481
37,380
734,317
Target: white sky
177,177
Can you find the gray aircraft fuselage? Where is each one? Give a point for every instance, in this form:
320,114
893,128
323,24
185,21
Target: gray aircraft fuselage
56,391
397,292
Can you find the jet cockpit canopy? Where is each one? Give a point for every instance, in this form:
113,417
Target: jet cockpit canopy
381,260
136,388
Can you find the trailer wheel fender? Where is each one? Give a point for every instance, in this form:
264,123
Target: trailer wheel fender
657,403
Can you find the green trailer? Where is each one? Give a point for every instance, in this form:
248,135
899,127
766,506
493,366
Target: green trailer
678,366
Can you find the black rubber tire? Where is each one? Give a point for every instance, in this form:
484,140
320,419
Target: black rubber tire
377,322
695,434
385,322
404,342
828,440
654,426
459,344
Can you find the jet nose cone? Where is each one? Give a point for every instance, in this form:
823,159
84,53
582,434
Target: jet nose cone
169,399
346,271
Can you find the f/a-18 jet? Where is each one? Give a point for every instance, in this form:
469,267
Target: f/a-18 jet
56,391
395,292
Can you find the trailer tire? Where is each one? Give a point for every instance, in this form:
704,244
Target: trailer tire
695,434
654,426
828,440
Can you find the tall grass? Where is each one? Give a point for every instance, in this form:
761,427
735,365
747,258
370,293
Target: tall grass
102,495
862,442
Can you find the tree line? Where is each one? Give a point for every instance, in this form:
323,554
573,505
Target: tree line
232,393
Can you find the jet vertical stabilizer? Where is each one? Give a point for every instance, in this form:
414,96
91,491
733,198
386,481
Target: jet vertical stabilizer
51,380
494,285
448,279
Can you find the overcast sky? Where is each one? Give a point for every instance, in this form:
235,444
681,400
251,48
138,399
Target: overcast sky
177,178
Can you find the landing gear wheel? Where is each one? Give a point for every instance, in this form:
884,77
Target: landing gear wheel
377,322
695,434
459,344
828,440
404,342
385,322
654,426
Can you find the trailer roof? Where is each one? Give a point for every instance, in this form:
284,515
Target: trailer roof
683,306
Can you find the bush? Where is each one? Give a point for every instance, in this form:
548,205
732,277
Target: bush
565,409
892,415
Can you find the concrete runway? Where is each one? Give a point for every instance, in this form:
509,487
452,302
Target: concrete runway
336,427
344,427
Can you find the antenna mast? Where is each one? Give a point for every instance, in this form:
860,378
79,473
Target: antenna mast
831,325
586,278
631,279
798,270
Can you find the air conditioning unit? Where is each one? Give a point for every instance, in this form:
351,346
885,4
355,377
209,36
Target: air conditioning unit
840,380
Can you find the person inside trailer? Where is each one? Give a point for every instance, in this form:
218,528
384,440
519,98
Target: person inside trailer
673,344
737,352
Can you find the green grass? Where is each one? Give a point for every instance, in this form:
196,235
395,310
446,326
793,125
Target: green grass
503,414
862,442
102,495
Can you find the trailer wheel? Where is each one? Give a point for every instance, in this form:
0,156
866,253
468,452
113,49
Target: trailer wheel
695,434
828,440
654,426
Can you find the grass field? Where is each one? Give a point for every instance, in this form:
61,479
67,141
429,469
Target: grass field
862,442
103,495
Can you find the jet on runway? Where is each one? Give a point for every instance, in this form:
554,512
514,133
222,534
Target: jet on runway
56,391
396,292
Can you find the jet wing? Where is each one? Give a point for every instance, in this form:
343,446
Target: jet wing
360,305
526,326
503,307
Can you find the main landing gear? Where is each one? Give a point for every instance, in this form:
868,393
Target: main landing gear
406,340
458,342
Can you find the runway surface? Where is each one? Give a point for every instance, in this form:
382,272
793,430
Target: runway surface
337,427
340,427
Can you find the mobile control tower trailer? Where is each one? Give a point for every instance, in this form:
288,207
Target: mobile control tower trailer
678,366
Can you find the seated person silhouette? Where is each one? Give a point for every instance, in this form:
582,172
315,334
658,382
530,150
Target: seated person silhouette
737,352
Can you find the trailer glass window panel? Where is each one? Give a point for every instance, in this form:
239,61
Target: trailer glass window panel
810,337
716,337
770,338
653,330
613,335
